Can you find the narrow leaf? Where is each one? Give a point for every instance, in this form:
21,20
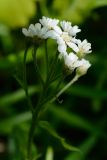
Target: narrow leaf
45,125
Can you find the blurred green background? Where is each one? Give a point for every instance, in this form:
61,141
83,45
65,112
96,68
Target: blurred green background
82,117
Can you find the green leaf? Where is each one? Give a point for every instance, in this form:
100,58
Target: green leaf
45,125
85,147
77,121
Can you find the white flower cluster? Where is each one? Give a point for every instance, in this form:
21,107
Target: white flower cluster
65,35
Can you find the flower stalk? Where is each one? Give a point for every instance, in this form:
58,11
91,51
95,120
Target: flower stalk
25,80
65,88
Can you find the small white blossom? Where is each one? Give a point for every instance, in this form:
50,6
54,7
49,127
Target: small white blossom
49,23
67,27
35,30
27,33
83,47
84,65
71,61
65,36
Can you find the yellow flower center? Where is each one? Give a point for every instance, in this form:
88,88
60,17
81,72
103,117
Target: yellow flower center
66,37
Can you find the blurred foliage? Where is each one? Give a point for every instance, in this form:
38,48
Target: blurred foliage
82,117
74,10
16,13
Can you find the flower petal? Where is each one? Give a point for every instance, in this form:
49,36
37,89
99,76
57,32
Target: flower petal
58,30
62,48
51,34
73,46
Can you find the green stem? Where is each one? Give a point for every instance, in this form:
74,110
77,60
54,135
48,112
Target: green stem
47,59
52,68
36,65
65,88
37,111
36,116
58,94
31,135
25,79
34,122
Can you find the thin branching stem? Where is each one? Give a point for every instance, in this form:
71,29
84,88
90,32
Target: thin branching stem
38,111
65,88
36,65
31,135
47,60
25,80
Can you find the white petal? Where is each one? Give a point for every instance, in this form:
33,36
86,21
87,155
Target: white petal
32,26
66,26
51,34
25,31
32,29
62,48
37,26
43,32
72,56
84,66
48,22
58,30
71,61
73,46
60,41
75,30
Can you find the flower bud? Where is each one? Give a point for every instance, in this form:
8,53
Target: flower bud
82,69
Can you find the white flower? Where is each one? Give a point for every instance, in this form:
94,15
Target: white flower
49,23
65,40
71,61
67,27
83,47
35,30
84,65
27,33
65,36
